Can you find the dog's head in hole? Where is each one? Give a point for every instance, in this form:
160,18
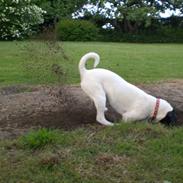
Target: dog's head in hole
170,119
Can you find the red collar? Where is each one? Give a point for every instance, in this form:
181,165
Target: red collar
156,108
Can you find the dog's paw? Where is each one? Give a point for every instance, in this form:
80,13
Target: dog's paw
108,124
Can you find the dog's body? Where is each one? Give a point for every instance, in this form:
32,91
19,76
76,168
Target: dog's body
128,100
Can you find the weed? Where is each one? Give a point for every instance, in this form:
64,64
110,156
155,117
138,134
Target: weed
38,139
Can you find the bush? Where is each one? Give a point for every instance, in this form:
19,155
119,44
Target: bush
17,17
169,34
76,30
161,35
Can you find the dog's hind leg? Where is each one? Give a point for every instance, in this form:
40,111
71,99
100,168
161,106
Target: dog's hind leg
100,102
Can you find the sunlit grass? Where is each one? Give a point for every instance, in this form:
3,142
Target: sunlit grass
136,63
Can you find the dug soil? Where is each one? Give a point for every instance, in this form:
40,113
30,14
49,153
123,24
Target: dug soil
26,107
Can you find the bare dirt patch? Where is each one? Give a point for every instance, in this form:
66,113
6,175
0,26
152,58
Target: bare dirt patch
25,107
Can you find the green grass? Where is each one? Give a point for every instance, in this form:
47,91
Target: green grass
124,153
136,63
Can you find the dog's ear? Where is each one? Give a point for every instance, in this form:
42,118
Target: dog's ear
170,119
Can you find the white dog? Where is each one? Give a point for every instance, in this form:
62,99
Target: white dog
128,100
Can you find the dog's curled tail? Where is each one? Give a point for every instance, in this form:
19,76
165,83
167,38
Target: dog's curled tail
84,59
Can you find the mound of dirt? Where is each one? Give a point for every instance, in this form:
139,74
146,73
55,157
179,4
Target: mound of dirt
25,107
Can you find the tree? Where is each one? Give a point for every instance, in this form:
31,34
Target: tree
178,4
57,9
131,15
17,18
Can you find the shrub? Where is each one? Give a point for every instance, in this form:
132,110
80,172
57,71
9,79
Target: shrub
17,17
76,30
171,34
161,35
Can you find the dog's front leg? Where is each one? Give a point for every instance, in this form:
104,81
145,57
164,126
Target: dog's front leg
97,94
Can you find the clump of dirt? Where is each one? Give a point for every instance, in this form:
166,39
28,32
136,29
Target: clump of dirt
49,160
25,107
108,160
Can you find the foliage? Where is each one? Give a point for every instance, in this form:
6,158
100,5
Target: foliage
176,4
76,30
133,15
17,17
163,34
57,9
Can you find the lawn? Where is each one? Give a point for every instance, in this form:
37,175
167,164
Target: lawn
125,153
30,62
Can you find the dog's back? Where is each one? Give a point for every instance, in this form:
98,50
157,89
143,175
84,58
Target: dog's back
121,94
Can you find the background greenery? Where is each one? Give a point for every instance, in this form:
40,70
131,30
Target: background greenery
127,21
18,17
76,30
